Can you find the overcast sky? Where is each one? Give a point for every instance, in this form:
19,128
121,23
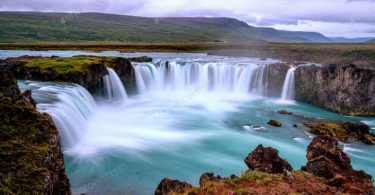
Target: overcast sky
350,18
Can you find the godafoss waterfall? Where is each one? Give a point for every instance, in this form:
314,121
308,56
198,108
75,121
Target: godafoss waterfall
189,114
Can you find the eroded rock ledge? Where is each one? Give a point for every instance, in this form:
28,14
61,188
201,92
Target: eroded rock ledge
86,71
31,158
328,171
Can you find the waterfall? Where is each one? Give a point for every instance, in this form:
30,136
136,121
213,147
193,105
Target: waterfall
212,76
114,88
69,105
288,87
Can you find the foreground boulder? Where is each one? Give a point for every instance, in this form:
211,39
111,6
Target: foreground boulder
328,171
267,160
31,158
325,158
345,132
168,186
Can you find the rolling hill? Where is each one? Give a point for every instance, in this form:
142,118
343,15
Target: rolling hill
350,40
56,27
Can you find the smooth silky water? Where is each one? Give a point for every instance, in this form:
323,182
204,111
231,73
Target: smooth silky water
183,122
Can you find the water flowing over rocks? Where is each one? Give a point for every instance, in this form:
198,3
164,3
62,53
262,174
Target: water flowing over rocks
86,71
31,158
345,89
276,75
328,171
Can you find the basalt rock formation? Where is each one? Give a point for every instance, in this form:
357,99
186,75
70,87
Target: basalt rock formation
328,171
31,158
325,158
168,186
275,78
345,89
86,71
345,132
267,160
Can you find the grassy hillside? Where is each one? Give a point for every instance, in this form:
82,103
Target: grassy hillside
58,27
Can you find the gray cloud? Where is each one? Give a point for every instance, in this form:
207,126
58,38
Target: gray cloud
283,14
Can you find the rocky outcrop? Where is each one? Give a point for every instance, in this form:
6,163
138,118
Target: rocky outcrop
345,89
267,160
325,158
126,72
345,132
31,158
86,71
140,59
275,78
328,171
168,186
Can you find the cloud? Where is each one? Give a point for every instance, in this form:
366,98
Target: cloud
282,14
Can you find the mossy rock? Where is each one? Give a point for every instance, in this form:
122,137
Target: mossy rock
275,123
344,132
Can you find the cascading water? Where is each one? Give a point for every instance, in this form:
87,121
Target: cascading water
70,106
135,144
213,76
115,90
288,87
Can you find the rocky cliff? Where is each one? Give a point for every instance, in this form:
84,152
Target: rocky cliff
86,71
275,78
345,89
31,158
328,171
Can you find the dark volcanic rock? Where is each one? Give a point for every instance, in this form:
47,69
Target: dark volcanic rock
345,132
208,177
168,186
31,158
267,160
284,112
126,72
275,78
325,158
140,59
345,89
274,122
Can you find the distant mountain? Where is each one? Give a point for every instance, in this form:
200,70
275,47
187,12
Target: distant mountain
350,40
371,41
39,26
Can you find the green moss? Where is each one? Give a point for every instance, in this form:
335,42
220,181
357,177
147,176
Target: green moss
330,129
259,176
60,65
298,173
